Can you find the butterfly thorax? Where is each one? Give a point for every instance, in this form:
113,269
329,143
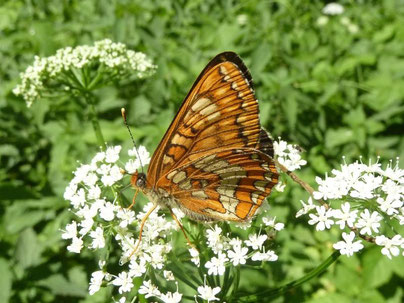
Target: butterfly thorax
160,197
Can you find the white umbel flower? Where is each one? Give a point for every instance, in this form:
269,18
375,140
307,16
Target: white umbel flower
348,247
333,9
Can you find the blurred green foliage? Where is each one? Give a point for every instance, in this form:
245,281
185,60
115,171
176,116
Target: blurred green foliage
328,88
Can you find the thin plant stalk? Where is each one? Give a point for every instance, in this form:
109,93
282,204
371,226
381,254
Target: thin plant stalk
276,292
94,121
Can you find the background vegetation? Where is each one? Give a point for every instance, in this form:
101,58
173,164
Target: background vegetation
331,88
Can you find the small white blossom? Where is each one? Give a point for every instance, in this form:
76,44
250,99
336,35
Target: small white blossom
390,246
94,192
322,219
208,293
238,255
168,274
70,191
149,290
127,216
112,154
71,231
98,238
306,207
107,211
137,269
369,223
141,154
288,155
76,246
280,186
216,266
280,147
78,199
390,205
86,226
345,215
256,241
194,256
171,297
264,256
96,281
268,221
215,239
124,281
348,247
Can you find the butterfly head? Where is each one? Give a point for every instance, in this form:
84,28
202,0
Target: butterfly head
138,180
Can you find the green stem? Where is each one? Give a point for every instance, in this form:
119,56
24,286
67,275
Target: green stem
275,292
94,120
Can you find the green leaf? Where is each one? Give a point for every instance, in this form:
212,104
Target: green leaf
59,285
371,296
384,34
5,280
339,136
347,280
18,217
290,109
28,250
376,268
11,191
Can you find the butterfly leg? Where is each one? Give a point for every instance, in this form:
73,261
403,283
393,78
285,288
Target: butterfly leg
182,228
134,199
141,229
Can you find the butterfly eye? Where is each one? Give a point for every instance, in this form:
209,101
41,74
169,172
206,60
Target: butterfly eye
141,180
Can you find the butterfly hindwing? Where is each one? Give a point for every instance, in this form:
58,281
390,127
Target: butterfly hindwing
229,185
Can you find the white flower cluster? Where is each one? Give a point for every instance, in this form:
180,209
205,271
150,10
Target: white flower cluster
235,250
333,9
288,155
114,59
374,201
100,219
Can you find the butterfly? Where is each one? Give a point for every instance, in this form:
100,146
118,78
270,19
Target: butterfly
215,162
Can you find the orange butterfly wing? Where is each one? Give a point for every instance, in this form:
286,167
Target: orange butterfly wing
217,121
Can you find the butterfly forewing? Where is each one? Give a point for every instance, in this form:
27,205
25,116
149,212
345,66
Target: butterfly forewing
215,161
220,111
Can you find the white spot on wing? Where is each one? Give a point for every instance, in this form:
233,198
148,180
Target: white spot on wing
200,103
200,194
180,176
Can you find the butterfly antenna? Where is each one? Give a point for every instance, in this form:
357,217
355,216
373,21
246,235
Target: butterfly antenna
123,112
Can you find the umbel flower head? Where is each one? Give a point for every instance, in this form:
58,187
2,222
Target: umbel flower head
83,67
372,204
102,222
